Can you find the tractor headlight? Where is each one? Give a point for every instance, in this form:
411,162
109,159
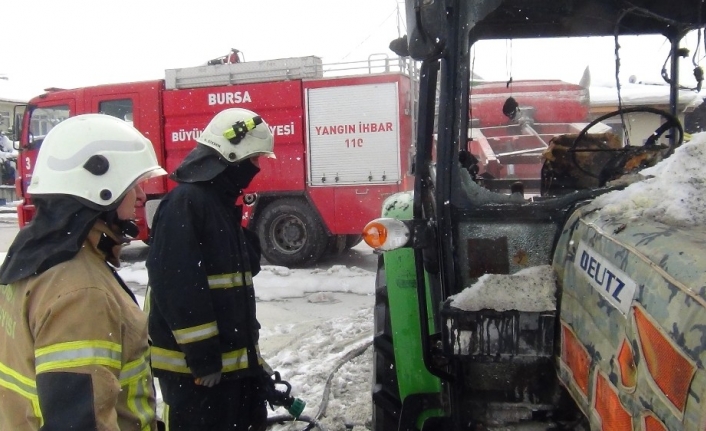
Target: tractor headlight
386,234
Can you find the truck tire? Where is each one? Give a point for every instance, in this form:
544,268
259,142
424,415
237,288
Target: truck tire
291,233
336,245
386,395
352,240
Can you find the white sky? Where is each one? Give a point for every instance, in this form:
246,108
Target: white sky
76,43
642,56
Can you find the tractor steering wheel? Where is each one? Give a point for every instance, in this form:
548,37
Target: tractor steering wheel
671,122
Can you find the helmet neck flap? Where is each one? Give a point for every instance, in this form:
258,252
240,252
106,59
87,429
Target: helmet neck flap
55,235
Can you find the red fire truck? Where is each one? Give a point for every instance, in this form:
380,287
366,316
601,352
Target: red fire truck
342,142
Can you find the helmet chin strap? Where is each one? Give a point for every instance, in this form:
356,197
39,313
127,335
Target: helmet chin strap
123,230
128,228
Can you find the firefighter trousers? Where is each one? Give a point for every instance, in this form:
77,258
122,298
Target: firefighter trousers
231,405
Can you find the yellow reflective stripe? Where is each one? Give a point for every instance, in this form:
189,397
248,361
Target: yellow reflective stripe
196,333
18,383
165,417
235,360
134,370
225,281
142,401
171,360
22,386
135,378
147,305
76,354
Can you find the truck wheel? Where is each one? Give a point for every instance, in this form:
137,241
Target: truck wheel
353,240
291,233
336,245
386,393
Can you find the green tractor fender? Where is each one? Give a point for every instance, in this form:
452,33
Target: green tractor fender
398,323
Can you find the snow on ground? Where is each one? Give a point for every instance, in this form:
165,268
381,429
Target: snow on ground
8,213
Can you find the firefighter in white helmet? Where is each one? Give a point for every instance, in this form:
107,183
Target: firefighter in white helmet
201,265
74,351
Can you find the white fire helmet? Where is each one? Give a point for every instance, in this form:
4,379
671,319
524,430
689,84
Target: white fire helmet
255,138
95,157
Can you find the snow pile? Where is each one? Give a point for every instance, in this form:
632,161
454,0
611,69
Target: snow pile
338,352
275,282
278,282
134,272
673,193
531,290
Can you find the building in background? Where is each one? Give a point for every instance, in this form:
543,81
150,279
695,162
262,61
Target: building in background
7,108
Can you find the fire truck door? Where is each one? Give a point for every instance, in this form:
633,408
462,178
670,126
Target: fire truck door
354,147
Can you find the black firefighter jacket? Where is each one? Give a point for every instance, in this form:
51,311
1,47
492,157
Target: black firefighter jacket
201,302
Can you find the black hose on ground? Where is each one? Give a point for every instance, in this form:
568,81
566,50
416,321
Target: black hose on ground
314,422
276,420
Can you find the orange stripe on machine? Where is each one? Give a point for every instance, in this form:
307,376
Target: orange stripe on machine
576,358
613,415
670,369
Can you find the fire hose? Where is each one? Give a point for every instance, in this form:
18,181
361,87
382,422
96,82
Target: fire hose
295,406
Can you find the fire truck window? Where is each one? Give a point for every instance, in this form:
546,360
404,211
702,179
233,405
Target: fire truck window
43,120
121,108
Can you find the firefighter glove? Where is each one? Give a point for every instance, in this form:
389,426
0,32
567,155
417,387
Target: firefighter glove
209,381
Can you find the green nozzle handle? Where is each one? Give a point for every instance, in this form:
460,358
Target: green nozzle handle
296,408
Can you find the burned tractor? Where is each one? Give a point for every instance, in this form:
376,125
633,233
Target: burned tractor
519,303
